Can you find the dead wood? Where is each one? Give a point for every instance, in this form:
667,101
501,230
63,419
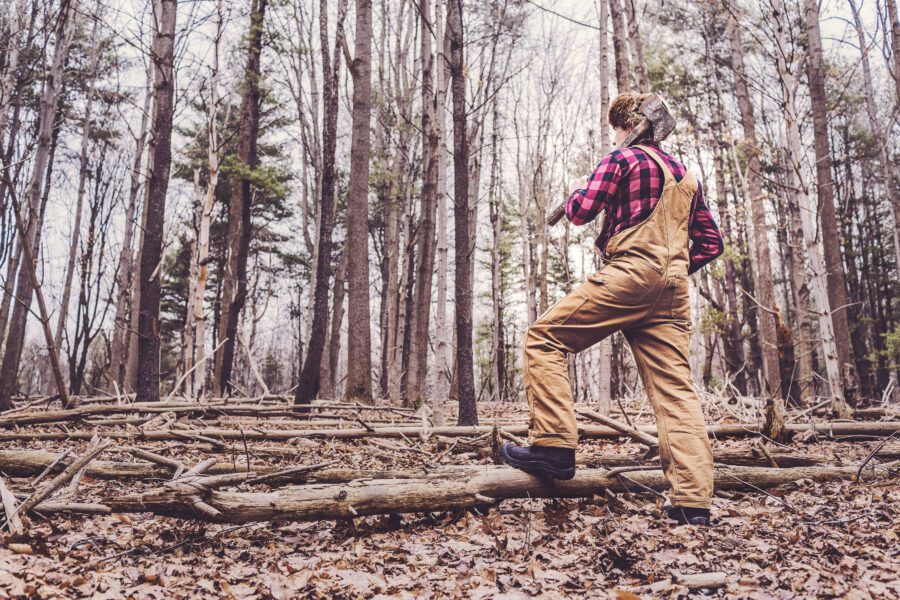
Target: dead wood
51,486
450,489
691,581
640,437
13,522
856,431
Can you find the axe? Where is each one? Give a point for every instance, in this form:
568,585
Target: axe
656,125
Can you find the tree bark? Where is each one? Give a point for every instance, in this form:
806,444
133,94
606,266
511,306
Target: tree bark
620,46
803,227
359,342
637,47
42,157
831,237
149,273
308,385
240,227
457,489
122,322
440,393
894,17
765,293
468,412
417,373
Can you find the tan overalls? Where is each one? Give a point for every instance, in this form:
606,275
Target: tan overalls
642,291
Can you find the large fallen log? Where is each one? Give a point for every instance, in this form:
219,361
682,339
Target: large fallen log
853,430
461,488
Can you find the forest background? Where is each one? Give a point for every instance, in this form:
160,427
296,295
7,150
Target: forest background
319,236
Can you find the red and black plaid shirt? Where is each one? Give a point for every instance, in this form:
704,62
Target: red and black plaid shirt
627,184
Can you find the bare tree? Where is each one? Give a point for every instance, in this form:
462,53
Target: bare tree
163,56
831,237
30,236
620,46
359,342
308,385
96,49
468,412
122,322
877,129
240,227
774,424
417,373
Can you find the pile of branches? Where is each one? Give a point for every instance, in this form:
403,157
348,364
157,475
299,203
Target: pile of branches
241,488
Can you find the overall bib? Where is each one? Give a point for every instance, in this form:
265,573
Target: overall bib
642,291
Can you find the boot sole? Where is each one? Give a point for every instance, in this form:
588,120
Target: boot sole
537,467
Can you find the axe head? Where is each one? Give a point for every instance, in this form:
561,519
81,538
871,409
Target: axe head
661,120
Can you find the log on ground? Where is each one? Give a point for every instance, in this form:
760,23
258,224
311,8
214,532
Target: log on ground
463,488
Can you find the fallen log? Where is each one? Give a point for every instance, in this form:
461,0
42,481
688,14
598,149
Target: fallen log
36,417
463,488
859,431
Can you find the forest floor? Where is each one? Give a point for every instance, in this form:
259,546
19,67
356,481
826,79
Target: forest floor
802,540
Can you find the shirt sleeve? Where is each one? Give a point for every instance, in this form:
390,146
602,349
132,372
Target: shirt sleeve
583,206
706,241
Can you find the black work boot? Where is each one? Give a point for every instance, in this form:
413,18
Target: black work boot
689,516
558,463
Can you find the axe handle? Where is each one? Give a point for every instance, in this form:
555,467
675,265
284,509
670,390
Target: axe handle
639,131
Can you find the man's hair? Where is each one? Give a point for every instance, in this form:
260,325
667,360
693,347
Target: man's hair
624,113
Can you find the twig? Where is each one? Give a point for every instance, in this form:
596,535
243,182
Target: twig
181,379
157,458
871,455
765,451
50,467
42,494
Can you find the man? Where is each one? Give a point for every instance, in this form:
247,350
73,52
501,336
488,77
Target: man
657,231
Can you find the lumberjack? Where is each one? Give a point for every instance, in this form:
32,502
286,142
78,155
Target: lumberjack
657,231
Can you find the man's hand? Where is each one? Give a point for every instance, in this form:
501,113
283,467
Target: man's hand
577,184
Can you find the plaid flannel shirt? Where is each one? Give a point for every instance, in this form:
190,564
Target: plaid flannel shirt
627,184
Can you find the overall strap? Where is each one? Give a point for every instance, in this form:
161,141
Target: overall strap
667,172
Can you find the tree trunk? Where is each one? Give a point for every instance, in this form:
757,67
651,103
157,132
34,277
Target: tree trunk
831,237
442,363
604,351
149,273
765,293
42,157
894,17
125,271
330,362
240,227
308,385
359,342
620,46
802,215
197,316
495,206
417,373
637,47
468,412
